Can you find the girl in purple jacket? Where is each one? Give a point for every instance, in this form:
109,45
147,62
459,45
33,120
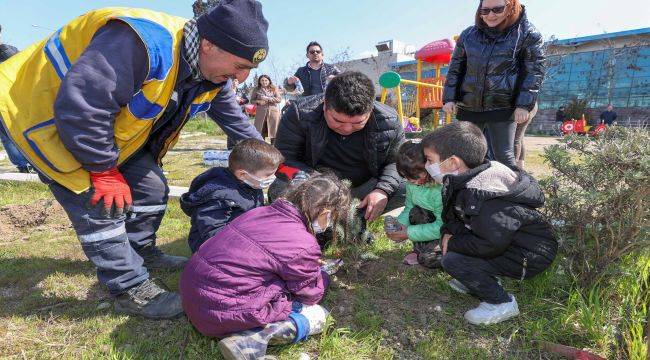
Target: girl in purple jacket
259,280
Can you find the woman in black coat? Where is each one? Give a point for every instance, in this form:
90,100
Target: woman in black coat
495,73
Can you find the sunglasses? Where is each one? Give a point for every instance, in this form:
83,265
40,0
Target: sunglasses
315,52
486,11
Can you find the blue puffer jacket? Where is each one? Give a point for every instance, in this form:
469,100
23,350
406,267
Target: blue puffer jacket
216,198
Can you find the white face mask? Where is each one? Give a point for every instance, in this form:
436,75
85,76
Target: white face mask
434,170
317,228
261,183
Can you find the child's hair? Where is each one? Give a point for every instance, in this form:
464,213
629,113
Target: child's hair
318,193
410,160
252,155
462,139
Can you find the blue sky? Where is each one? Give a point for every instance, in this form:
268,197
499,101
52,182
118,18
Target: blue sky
356,25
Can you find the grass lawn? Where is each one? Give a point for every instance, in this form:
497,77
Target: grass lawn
51,305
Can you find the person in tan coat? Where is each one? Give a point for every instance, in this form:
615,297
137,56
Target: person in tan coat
267,117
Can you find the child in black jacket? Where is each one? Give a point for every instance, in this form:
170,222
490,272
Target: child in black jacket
491,225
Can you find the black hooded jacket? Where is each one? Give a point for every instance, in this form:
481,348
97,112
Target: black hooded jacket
491,209
496,71
7,51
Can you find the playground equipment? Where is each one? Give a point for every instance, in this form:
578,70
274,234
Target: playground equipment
428,93
580,127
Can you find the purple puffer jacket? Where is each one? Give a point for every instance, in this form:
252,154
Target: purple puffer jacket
248,274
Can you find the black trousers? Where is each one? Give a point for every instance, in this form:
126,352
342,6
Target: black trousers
502,140
479,275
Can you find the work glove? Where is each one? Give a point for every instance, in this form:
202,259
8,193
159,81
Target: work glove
287,171
112,188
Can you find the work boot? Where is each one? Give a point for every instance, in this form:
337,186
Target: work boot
154,258
252,344
150,301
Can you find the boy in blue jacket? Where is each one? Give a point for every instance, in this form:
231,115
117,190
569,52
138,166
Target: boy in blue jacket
219,195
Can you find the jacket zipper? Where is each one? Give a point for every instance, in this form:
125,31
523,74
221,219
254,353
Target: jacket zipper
524,267
485,71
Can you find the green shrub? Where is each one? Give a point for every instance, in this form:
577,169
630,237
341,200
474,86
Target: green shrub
598,199
600,195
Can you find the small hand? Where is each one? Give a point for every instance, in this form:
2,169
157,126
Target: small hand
521,115
374,203
292,80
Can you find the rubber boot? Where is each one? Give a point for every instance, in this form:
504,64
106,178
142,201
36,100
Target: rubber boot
252,344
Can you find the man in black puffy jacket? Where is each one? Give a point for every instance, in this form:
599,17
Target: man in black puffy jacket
491,225
350,134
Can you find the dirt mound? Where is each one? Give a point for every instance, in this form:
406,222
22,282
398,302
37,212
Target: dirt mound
17,219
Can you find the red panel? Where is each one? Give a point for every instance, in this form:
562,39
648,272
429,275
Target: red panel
436,52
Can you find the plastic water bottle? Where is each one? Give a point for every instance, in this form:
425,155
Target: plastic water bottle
216,157
391,224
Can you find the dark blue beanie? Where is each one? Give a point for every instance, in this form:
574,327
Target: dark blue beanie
238,27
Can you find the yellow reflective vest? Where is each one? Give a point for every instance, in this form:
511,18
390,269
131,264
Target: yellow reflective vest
30,80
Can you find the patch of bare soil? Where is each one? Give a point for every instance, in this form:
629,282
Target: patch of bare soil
407,312
42,215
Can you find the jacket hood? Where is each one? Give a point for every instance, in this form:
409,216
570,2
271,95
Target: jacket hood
494,180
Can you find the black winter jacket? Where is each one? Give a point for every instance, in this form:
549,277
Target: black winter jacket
302,139
215,198
303,74
492,208
496,71
7,51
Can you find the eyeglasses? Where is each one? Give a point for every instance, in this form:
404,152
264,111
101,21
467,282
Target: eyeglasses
313,52
486,11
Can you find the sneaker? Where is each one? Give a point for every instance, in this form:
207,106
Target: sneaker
486,314
154,258
150,301
458,286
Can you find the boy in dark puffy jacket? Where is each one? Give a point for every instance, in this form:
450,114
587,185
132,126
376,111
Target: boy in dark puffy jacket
491,225
219,195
